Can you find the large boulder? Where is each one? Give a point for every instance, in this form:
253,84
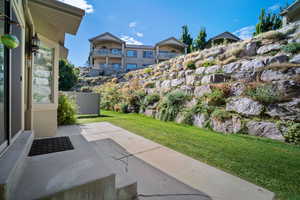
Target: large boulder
214,78
202,90
287,88
275,75
200,120
295,59
177,82
281,58
213,69
231,125
244,106
232,67
285,111
150,112
166,84
268,48
192,79
200,70
250,49
264,129
187,89
237,89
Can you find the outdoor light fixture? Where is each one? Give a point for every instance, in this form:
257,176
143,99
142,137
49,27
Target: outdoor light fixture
35,43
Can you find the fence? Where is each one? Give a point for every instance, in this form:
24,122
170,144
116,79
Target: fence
87,103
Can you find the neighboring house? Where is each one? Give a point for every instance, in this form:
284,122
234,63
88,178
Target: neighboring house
223,37
291,14
109,54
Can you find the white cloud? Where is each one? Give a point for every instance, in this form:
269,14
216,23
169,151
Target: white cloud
139,34
245,32
83,4
132,24
130,40
274,8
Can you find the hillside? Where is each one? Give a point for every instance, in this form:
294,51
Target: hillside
251,87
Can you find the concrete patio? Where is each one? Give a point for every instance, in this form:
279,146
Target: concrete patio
160,172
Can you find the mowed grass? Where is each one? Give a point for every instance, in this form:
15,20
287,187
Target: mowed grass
271,164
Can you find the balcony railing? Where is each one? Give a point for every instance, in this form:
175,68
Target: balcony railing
107,52
167,55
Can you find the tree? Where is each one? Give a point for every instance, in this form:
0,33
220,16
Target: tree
68,75
268,22
200,41
186,38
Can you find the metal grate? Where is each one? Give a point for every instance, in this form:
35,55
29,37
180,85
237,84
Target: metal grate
50,145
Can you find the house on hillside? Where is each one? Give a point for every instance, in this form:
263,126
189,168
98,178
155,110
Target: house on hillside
223,37
291,14
110,55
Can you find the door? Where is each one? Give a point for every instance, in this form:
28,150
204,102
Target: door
3,86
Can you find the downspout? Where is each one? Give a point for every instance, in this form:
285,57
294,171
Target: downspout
28,65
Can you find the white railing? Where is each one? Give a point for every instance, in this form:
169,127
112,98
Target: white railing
107,52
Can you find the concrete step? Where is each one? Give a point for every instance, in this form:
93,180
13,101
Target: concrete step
13,164
75,174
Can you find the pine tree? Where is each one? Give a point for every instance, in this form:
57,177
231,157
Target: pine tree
268,22
186,38
200,41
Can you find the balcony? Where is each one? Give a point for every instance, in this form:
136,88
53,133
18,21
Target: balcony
107,52
167,55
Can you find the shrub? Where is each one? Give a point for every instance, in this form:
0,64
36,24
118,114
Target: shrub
190,65
215,98
202,107
236,51
291,48
208,63
147,70
271,35
151,99
291,131
221,114
149,85
66,112
110,96
171,105
124,108
188,116
264,93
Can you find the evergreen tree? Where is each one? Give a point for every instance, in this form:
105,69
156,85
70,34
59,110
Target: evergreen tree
268,22
200,41
68,75
186,38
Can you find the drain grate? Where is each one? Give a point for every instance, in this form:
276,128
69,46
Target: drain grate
50,145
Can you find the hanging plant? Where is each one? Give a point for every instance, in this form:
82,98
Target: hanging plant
10,41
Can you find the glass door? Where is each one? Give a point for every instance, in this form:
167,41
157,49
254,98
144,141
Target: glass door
3,91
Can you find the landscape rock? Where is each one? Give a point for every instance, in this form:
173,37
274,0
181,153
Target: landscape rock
200,70
200,120
277,59
213,69
232,125
187,89
166,84
244,106
268,48
275,75
264,129
296,59
232,67
237,89
202,90
250,49
285,111
214,78
177,82
288,88
150,112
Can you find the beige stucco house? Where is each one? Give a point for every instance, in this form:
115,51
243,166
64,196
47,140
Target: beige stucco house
291,14
109,54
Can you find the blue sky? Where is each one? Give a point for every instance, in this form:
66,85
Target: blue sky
149,21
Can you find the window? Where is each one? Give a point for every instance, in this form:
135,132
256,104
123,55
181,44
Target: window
131,66
116,66
148,54
116,51
131,53
43,75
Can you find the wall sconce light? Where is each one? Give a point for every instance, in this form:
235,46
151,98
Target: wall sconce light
35,43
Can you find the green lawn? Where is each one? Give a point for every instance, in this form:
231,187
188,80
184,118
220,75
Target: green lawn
270,164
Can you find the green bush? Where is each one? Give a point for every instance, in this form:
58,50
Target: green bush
147,70
208,63
124,108
291,48
216,98
188,116
67,110
151,99
221,114
171,105
264,94
190,65
291,132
